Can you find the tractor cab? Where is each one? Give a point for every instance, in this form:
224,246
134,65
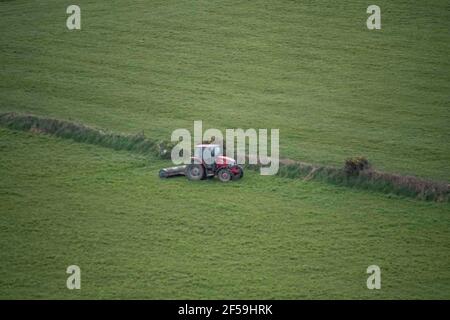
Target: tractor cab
207,153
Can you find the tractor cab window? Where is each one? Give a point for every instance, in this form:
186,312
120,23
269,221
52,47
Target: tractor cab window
208,156
198,152
207,153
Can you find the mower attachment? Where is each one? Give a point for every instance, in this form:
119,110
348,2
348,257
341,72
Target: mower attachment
172,171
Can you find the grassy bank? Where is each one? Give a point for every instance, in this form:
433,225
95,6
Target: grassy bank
367,179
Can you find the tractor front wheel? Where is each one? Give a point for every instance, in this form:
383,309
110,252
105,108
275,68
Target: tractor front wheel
195,172
239,174
224,175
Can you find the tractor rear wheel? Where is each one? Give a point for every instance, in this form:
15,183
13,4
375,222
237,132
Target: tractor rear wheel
224,175
195,172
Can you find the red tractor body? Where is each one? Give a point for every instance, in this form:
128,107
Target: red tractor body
208,161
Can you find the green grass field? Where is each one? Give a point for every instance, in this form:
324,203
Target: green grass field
309,68
135,236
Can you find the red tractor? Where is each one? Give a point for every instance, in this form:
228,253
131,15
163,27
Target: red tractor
208,161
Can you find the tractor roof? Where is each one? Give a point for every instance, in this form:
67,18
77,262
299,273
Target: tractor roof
207,145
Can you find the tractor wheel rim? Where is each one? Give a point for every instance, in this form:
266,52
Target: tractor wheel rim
195,171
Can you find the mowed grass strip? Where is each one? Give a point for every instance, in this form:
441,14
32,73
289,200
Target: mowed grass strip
309,68
136,236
